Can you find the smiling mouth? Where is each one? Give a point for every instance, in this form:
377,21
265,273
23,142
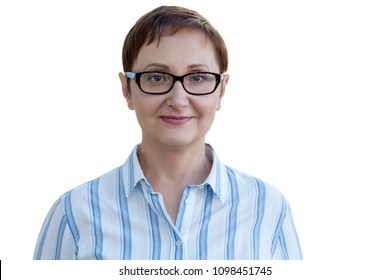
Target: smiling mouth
176,120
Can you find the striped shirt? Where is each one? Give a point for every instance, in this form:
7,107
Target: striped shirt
119,216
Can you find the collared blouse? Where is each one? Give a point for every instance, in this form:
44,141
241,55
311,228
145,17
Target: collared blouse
118,216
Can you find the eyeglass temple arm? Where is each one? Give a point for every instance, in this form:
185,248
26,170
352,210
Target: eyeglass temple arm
130,75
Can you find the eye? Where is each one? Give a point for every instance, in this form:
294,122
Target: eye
201,77
157,77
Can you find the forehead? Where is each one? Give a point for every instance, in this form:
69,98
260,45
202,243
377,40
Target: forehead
178,51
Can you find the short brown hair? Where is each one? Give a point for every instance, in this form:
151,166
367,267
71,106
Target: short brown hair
166,21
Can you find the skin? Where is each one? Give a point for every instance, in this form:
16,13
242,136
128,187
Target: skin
174,125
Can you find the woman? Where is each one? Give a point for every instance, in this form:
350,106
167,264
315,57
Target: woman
172,198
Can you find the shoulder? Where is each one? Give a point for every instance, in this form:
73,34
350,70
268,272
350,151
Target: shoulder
249,183
247,179
83,192
119,176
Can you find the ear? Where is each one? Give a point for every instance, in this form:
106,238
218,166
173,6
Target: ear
126,91
223,88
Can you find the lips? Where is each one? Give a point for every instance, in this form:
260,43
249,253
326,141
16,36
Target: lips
176,120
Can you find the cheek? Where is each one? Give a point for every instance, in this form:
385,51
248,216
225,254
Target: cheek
146,105
207,108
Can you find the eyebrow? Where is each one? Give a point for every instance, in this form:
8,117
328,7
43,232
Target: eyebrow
192,66
166,67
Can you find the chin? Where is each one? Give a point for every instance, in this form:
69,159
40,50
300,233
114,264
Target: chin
182,142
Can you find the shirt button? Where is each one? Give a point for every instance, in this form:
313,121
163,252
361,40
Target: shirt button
178,243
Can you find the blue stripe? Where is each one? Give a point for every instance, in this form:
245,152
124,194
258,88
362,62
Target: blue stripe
232,220
60,237
125,218
205,224
44,230
131,173
259,214
283,245
71,221
180,214
218,179
279,226
97,220
156,238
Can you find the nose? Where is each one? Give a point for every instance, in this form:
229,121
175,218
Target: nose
177,96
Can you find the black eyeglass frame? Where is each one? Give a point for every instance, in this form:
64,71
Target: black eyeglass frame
137,78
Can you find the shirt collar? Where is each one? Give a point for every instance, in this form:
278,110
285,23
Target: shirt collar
217,179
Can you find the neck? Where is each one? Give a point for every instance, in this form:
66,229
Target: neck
174,166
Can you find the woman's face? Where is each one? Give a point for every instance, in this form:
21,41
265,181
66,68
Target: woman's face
175,119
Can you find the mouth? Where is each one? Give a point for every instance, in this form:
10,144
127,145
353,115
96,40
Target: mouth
176,120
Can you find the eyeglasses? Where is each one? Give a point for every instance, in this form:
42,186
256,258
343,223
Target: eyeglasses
156,82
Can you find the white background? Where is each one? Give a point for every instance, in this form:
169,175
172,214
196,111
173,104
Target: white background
306,109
